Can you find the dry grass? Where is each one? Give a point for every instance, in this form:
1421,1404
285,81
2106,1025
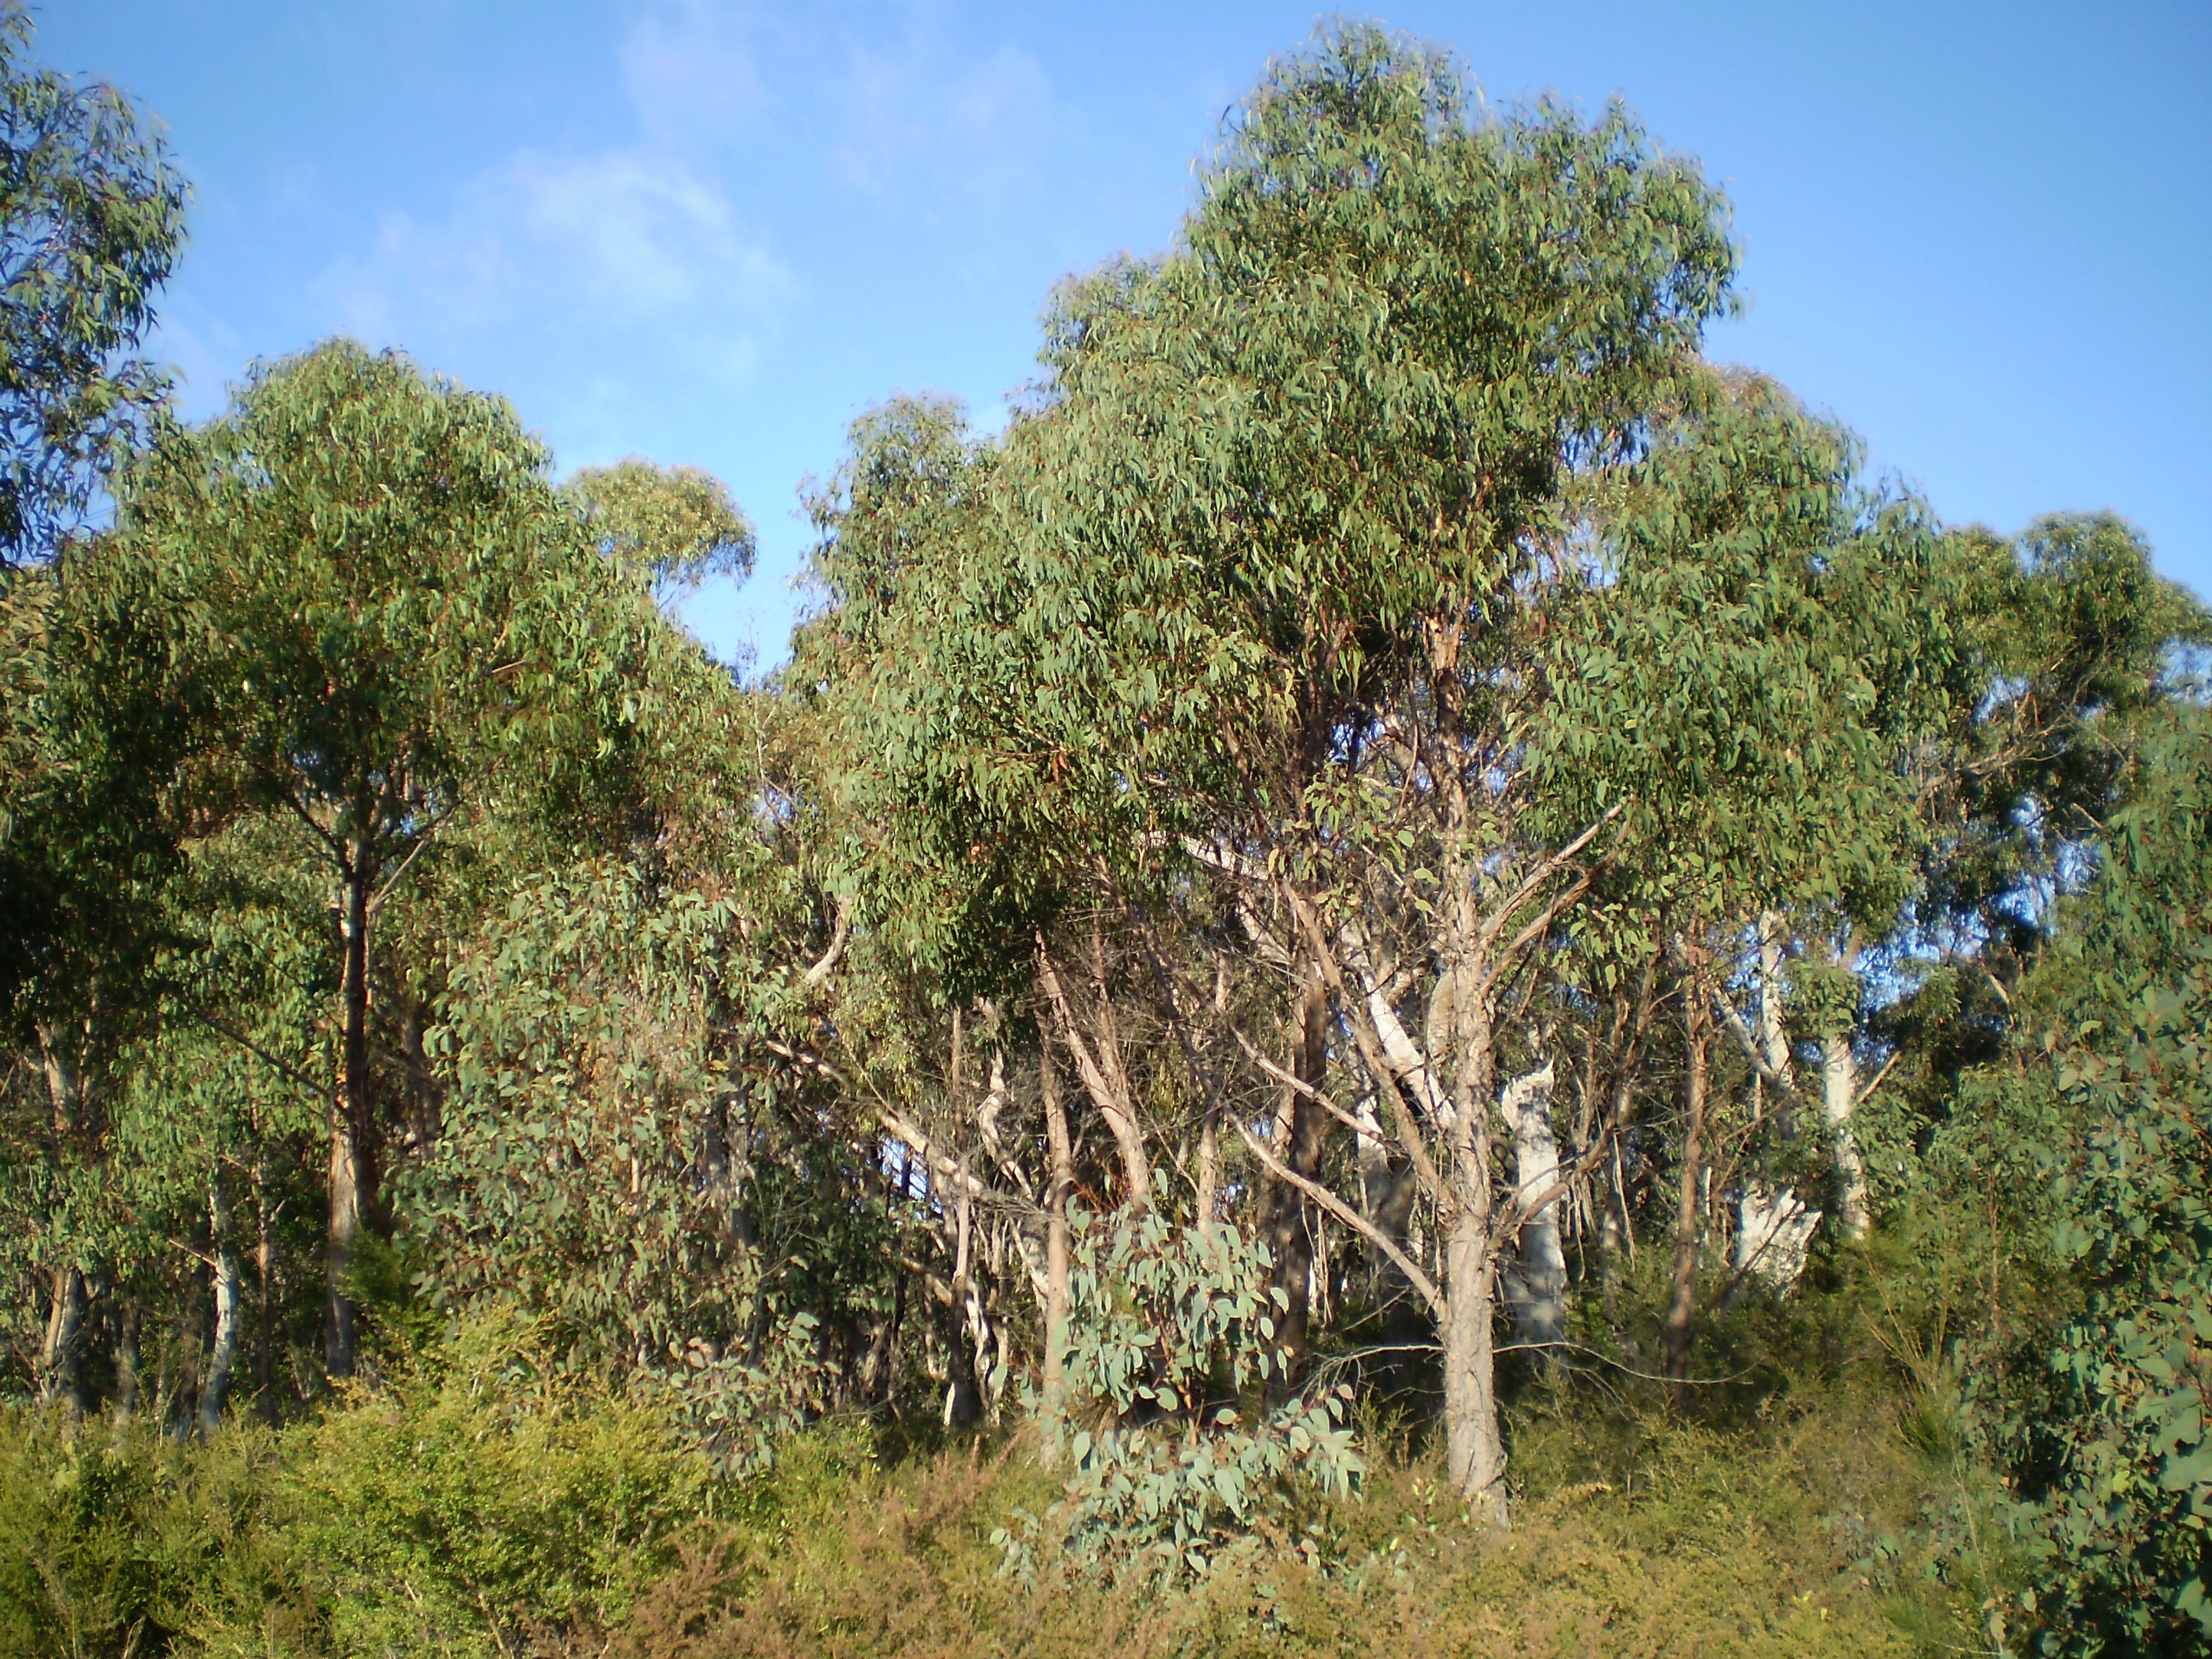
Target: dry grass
1653,1538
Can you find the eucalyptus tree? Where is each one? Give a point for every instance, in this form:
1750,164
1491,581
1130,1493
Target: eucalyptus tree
1785,797
91,221
378,599
1299,515
948,910
1287,517
671,528
2083,1139
95,803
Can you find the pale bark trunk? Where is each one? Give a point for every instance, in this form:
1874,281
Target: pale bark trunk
1104,1079
1840,1098
1060,1187
1474,1451
1611,1240
960,1353
1774,1226
1536,1282
1773,1043
1386,1199
60,1368
350,1171
1773,1231
61,1371
1301,1131
265,1285
222,1352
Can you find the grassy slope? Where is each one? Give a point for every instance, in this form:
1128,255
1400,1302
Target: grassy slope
451,1516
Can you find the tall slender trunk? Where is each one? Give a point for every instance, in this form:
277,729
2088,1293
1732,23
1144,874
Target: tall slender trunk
264,1290
1840,1098
126,1362
223,1351
960,1350
1301,1131
1056,1243
60,1361
1536,1280
1104,1078
1774,1225
1474,1451
350,1174
1774,1041
1684,1303
61,1371
1612,1241
1387,1192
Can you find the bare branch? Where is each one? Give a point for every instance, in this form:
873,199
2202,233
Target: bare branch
1544,918
1867,1093
1368,1040
1299,1086
822,970
1782,1082
1546,868
948,1170
291,1073
1351,1218
1121,1119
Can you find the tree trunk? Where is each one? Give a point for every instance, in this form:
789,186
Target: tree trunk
351,1175
265,1274
60,1357
126,1362
222,1352
1474,1451
1684,1303
1536,1280
1302,1126
960,1350
1774,1041
1058,1190
1105,1079
1772,1230
1387,1193
1840,1098
61,1373
1612,1245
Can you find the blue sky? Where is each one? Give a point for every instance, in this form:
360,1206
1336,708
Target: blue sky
711,232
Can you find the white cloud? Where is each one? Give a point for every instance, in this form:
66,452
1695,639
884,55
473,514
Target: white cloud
906,110
623,237
644,233
655,243
918,115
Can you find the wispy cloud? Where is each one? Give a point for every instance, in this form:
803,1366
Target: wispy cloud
644,233
619,238
919,114
911,112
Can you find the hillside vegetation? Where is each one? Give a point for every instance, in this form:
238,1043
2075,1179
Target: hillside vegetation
1408,974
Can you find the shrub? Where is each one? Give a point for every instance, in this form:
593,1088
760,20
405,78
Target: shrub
1171,1339
484,1503
116,1540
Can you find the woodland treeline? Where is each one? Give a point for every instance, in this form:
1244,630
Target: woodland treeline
1399,844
